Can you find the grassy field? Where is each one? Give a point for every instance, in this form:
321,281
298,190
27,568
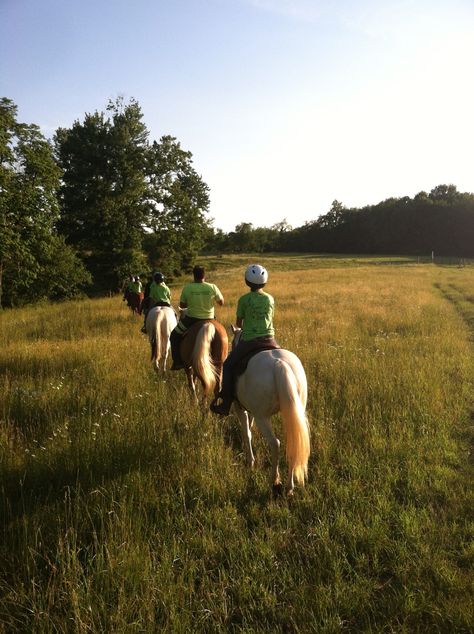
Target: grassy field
126,509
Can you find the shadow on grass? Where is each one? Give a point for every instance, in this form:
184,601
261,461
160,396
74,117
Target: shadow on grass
27,490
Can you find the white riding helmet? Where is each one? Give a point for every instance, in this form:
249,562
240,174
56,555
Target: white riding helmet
256,274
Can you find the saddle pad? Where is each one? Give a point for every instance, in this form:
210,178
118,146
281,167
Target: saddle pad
243,363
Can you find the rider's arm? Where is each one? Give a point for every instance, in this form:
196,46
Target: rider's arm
220,302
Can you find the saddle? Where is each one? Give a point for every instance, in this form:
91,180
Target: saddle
242,364
193,328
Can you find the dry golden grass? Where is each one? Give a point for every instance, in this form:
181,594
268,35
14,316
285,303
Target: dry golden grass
125,508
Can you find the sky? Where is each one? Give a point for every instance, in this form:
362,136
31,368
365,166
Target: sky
286,105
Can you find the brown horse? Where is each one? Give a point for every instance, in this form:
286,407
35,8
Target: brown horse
203,350
134,301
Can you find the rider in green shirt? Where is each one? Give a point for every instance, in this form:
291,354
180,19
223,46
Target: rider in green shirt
198,299
159,295
136,286
255,317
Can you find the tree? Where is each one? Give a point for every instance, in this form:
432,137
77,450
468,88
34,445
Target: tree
29,242
104,192
282,226
446,193
177,225
334,217
128,205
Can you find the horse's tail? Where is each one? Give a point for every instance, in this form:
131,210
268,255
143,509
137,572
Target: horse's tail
295,421
201,357
156,337
155,340
166,324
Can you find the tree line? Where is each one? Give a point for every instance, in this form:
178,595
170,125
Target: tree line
98,202
441,221
101,201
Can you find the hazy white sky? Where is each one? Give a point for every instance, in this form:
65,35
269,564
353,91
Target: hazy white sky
285,104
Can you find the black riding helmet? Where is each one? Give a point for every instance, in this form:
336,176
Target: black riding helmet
159,277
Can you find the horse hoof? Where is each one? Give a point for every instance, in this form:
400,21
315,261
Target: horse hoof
277,490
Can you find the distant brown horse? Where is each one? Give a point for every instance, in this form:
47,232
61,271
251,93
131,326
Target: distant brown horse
134,300
203,350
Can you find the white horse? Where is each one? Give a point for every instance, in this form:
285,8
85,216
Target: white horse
160,321
275,381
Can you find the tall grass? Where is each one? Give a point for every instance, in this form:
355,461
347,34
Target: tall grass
127,509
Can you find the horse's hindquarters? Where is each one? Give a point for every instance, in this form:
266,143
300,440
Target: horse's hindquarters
256,388
204,347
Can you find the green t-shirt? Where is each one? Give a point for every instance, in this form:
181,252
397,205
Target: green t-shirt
136,287
160,292
256,310
199,298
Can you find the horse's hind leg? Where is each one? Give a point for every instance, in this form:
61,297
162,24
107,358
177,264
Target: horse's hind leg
290,485
164,352
217,387
246,434
165,355
264,425
191,382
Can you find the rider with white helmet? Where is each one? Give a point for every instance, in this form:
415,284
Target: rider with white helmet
255,317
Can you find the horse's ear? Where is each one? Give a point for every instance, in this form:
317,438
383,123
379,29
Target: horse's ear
234,329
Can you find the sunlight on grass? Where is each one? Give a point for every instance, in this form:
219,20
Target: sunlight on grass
127,508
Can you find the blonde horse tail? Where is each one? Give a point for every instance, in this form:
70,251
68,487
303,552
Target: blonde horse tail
295,421
155,339
165,326
201,357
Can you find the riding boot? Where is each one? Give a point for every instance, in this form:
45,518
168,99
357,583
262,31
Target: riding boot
143,328
225,395
175,342
223,408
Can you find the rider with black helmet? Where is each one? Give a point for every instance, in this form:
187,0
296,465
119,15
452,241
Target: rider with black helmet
159,295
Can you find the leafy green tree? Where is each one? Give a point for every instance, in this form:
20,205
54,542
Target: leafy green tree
128,205
445,193
104,192
177,225
34,261
334,217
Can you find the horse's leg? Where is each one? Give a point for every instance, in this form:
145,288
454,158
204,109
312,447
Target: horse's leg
191,382
290,485
243,417
265,427
218,385
165,354
163,351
